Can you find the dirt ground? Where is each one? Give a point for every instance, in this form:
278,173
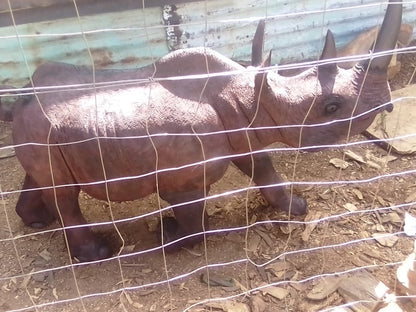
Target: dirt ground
291,258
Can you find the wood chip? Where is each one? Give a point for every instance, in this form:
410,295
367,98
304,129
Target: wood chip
388,158
324,288
339,163
358,194
276,292
373,253
350,207
384,239
253,242
373,164
55,293
278,268
257,304
410,198
46,255
266,237
364,290
309,227
131,302
229,306
289,228
6,152
392,217
128,249
192,252
215,280
354,156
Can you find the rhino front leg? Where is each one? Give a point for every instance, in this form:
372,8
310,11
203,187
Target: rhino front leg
83,243
264,175
189,219
30,206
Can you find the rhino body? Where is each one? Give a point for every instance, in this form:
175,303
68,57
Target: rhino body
176,136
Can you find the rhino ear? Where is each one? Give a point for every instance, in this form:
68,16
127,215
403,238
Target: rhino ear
329,52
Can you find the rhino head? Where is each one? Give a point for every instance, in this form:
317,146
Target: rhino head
326,103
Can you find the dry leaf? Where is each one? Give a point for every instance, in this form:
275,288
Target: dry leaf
339,163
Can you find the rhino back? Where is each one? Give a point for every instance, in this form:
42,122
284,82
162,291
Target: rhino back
122,119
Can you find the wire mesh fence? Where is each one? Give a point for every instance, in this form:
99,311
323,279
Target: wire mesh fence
173,164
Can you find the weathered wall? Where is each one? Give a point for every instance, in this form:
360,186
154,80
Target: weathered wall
123,34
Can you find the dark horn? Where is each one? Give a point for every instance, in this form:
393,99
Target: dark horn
257,47
387,36
329,51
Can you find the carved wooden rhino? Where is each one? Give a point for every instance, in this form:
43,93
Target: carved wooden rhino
146,135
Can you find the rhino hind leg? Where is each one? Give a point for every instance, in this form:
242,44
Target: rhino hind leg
30,206
82,242
265,175
189,219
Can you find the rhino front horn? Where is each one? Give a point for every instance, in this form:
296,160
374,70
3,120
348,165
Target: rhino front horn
329,51
257,46
387,36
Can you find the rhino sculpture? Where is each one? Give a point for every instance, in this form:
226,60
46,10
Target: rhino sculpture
153,135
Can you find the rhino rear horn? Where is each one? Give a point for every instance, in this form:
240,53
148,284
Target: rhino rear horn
268,61
257,46
329,52
387,36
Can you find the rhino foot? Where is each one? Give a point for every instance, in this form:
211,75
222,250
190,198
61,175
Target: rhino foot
171,232
297,207
41,224
95,249
37,218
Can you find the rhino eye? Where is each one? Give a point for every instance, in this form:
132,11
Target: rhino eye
331,108
333,103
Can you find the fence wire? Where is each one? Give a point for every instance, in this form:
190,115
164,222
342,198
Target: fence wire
253,257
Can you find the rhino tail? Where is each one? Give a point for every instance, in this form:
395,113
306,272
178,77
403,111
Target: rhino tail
6,112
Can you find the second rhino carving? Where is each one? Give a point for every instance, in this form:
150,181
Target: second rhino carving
98,120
